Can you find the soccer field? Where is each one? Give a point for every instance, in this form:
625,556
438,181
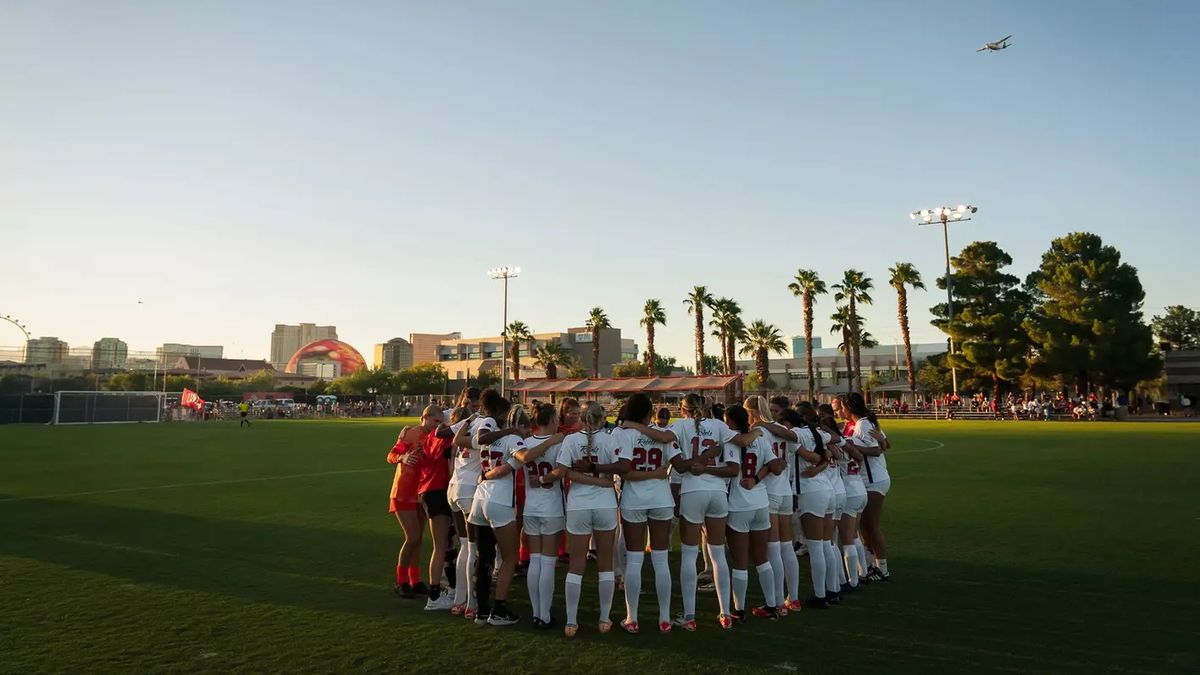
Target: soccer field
1013,546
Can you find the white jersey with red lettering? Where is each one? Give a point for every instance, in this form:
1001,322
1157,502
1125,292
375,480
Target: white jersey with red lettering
862,436
499,490
545,501
465,476
752,458
781,485
694,441
646,454
809,443
605,450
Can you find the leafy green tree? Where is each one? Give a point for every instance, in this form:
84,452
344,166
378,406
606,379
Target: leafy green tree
807,286
934,375
597,319
517,333
1086,324
1178,328
426,378
696,301
652,314
662,366
854,288
991,346
576,369
711,364
762,339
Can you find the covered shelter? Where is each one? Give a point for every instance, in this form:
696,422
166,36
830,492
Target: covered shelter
658,388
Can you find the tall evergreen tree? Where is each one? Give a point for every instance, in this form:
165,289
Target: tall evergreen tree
1178,328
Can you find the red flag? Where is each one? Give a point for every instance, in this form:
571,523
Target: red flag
191,399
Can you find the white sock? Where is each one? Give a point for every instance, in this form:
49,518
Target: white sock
833,577
662,583
816,565
775,558
687,578
573,589
791,572
720,576
533,581
546,583
633,582
608,584
740,579
881,563
862,555
766,581
461,576
850,555
469,573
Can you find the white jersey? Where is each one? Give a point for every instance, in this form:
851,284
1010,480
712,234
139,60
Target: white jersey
605,450
877,465
851,473
808,442
753,457
781,485
646,454
712,433
500,490
466,461
542,500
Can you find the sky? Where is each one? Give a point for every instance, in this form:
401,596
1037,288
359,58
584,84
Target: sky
233,165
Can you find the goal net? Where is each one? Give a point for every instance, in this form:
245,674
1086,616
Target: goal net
107,407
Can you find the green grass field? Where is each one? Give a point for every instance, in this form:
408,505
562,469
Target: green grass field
1014,546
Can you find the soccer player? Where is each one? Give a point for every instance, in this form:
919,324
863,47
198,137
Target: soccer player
544,520
406,455
590,458
849,465
436,451
779,484
750,517
646,504
816,503
865,438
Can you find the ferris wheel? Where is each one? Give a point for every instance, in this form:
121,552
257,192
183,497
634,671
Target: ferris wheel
21,327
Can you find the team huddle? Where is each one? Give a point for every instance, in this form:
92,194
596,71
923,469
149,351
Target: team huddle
743,482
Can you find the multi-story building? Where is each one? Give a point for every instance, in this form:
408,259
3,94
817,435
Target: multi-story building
629,350
109,354
171,351
798,346
829,365
49,351
466,357
394,355
287,339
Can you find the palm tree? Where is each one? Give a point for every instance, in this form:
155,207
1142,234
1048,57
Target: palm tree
517,331
696,301
841,325
904,275
728,329
807,286
652,314
597,319
854,287
736,334
550,356
761,339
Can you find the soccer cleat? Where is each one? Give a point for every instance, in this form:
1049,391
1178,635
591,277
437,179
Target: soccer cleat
503,617
793,605
470,613
706,586
704,577
442,602
726,621
687,623
629,626
833,597
481,620
664,626
457,610
420,588
800,549
781,609
591,555
847,588
537,622
875,574
405,591
739,615
816,603
764,612
570,630
604,626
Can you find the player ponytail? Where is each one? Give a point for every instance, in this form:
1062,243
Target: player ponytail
758,405
857,406
695,408
593,418
545,415
811,419
495,405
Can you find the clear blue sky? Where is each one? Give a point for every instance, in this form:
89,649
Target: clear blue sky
238,164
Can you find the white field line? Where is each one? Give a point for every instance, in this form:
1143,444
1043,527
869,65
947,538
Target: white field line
937,445
172,486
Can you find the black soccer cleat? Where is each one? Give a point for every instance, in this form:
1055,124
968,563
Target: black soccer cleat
503,616
405,591
833,597
816,603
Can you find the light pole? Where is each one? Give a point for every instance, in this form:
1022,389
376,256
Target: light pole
943,215
504,273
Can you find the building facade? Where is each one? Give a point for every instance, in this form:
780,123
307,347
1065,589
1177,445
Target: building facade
1182,368
394,355
287,339
109,354
48,351
171,351
463,358
798,345
829,365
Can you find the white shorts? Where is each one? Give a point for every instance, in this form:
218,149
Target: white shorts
694,507
855,503
462,505
781,505
881,486
588,521
750,521
491,514
816,502
839,504
641,515
537,526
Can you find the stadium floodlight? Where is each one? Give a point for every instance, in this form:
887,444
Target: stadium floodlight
504,272
943,215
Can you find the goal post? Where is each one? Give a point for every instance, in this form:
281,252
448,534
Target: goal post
107,407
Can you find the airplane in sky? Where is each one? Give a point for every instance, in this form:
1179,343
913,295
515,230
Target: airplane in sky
995,46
